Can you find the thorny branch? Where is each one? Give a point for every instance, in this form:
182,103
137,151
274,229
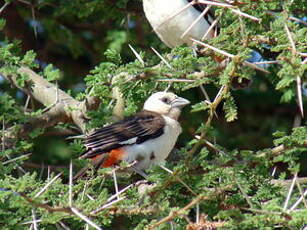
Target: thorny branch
182,211
61,107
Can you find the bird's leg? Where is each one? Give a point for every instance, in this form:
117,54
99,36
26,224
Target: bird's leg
138,171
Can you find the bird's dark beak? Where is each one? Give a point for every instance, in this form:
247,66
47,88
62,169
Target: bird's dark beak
180,102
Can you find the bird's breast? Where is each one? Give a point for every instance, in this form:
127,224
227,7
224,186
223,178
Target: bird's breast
154,151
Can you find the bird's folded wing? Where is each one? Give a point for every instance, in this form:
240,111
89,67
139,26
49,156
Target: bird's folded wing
132,130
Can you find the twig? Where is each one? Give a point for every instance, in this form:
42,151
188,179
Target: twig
248,200
204,224
16,159
298,79
278,150
269,12
45,206
24,2
298,20
218,99
177,178
263,211
229,55
67,110
215,148
3,146
181,211
290,38
287,183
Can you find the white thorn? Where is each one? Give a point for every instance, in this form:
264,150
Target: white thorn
289,193
195,21
115,183
137,55
162,58
70,183
47,185
211,27
85,218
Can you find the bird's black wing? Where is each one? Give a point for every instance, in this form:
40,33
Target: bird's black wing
135,129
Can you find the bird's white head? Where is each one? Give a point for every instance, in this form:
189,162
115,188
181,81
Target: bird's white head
166,103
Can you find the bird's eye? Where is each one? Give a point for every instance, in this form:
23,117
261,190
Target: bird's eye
166,100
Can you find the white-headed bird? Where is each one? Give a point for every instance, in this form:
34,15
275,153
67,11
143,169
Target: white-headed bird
146,138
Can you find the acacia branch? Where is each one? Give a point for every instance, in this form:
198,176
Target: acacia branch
182,211
61,107
278,150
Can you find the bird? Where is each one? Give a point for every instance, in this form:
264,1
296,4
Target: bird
170,29
145,138
171,20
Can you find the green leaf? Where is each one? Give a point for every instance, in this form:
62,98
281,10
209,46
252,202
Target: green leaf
230,108
51,73
28,59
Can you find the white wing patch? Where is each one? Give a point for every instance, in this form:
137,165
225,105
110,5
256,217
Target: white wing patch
129,141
